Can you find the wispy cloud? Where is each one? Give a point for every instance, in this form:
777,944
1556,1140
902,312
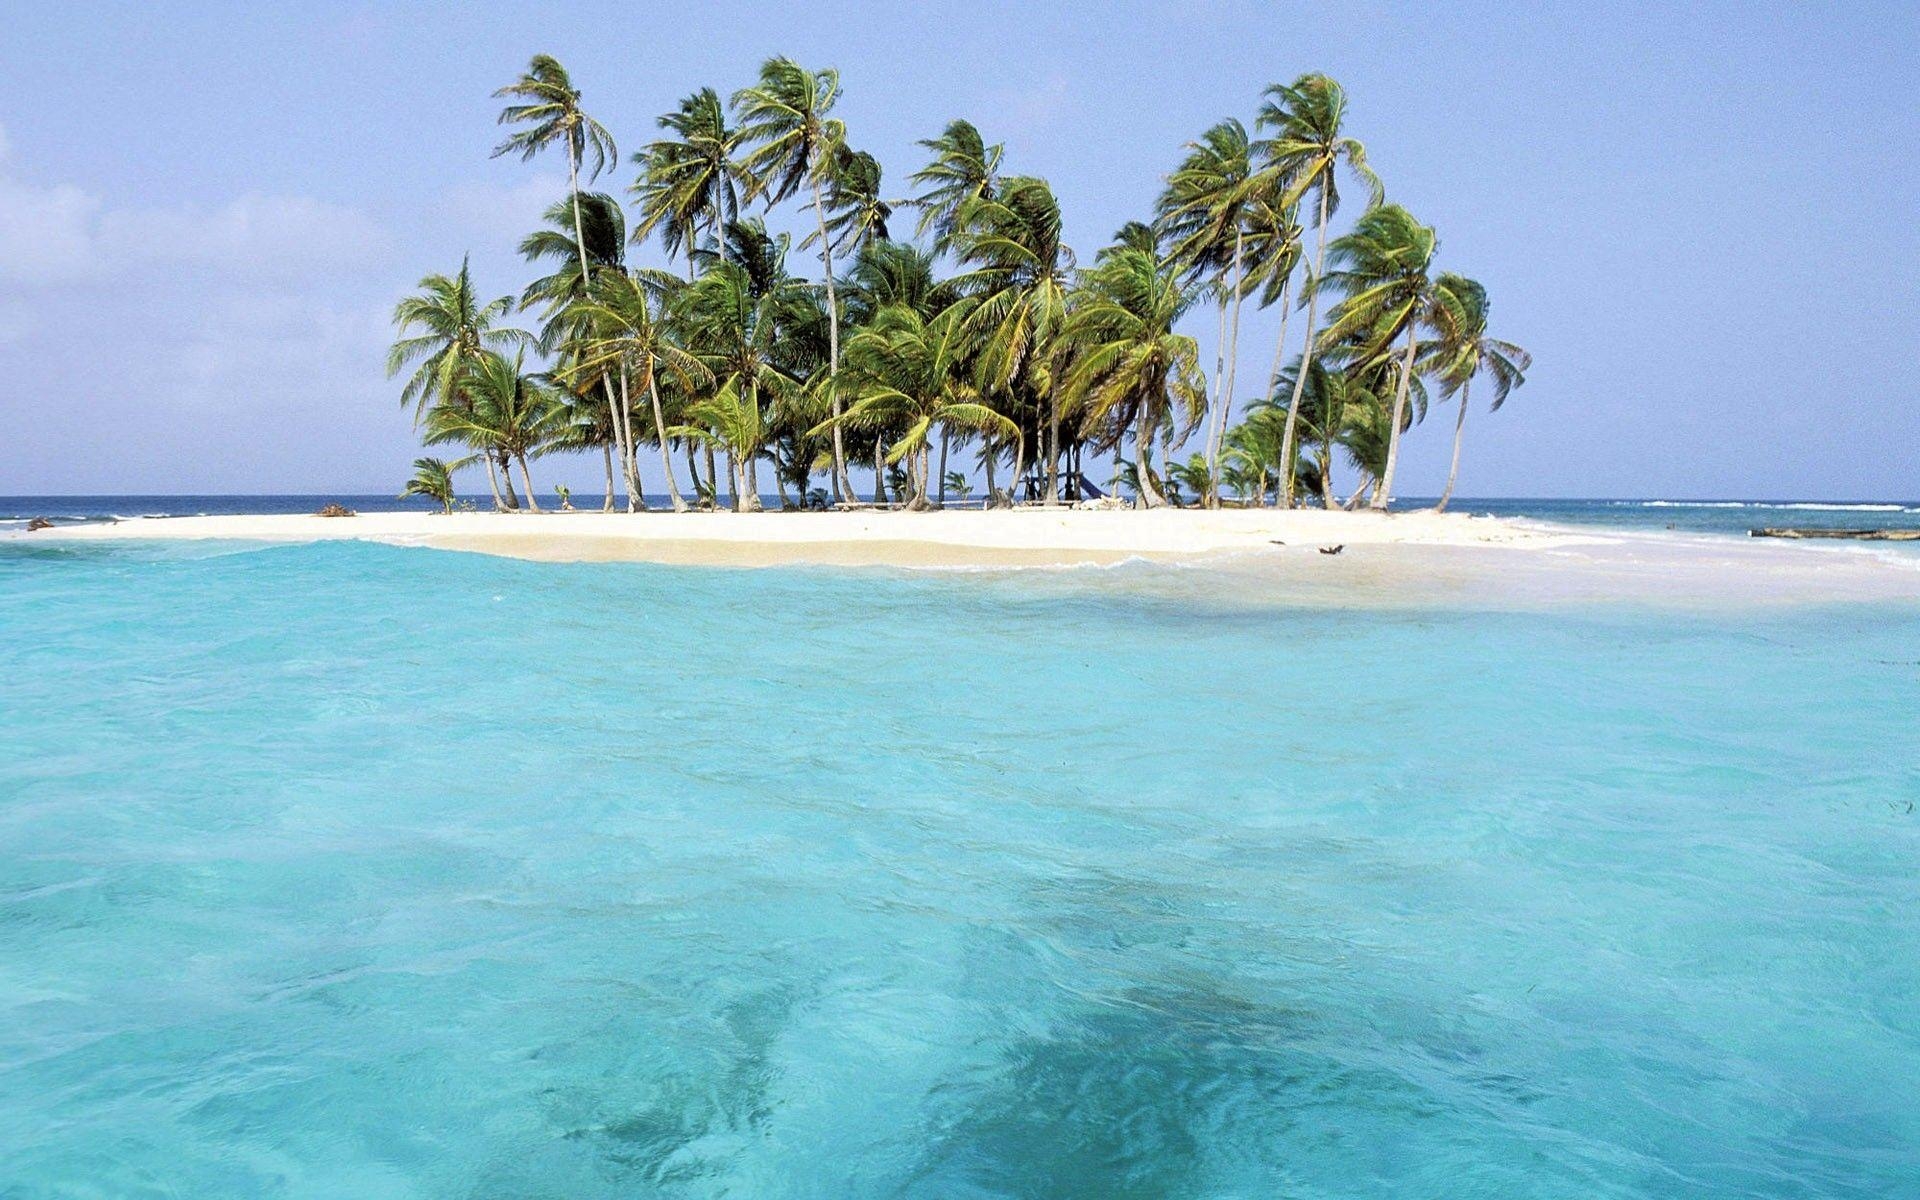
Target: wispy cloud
503,213
61,233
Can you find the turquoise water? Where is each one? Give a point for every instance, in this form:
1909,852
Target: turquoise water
350,871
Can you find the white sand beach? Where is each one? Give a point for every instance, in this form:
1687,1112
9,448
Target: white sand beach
1414,557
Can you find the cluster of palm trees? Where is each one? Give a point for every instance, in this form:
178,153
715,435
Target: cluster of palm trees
982,334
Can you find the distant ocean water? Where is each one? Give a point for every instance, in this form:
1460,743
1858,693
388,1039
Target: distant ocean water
345,870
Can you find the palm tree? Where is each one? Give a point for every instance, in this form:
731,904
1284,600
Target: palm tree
1324,400
621,332
603,228
907,371
1204,213
1018,283
1273,255
602,224
733,328
1381,272
1130,370
790,140
510,413
1307,148
1467,352
547,109
964,168
456,329
690,179
586,422
858,219
859,214
455,326
433,479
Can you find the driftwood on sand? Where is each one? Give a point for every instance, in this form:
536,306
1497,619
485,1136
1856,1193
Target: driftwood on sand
1857,535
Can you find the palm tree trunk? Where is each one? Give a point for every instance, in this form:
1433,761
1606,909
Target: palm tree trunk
1219,389
990,453
1306,355
946,435
713,473
1459,428
660,431
1383,496
493,483
879,470
1019,463
629,467
841,481
1279,358
1150,495
1053,447
623,428
606,451
506,477
749,498
533,505
1326,471
1233,375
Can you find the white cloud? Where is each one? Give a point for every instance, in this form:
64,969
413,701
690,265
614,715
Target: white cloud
503,214
17,320
45,232
255,235
60,233
253,348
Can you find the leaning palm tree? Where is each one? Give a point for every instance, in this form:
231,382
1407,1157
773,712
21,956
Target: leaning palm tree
858,212
789,139
1273,257
444,330
1306,146
1130,372
510,414
1204,213
622,334
1468,353
598,218
433,480
546,107
908,372
1018,279
964,168
454,328
1381,272
604,229
858,219
733,329
690,179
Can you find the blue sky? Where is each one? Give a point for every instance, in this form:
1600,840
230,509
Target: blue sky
1703,220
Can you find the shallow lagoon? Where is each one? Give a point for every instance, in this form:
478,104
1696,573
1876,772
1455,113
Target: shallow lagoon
352,871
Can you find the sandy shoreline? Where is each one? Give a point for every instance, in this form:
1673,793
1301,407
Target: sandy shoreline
1062,537
1413,558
